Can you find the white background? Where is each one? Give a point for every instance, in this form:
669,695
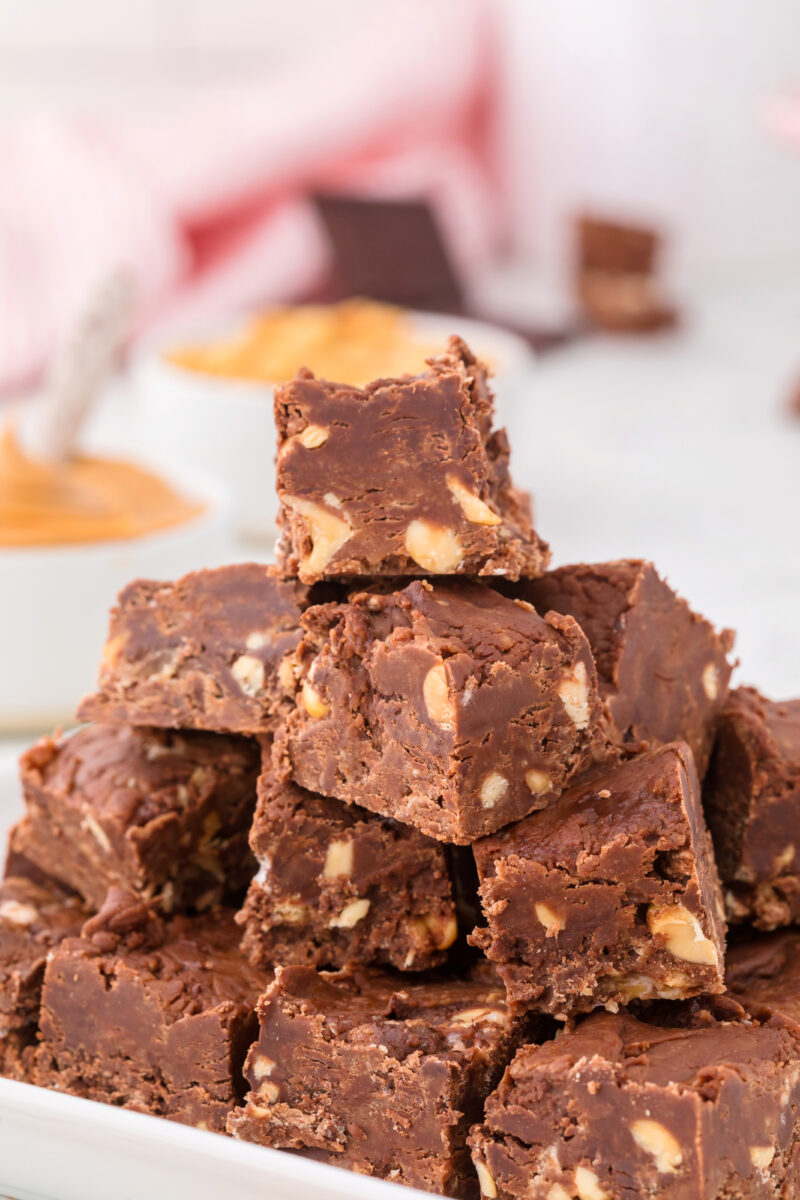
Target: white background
653,106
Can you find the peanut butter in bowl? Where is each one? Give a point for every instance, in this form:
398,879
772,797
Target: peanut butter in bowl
355,341
73,533
82,499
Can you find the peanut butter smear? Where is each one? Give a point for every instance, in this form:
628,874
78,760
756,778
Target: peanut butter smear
81,500
356,341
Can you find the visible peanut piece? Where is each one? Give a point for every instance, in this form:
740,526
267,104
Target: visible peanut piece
655,1139
290,912
473,508
442,929
112,650
678,980
710,678
286,673
249,674
587,1185
538,782
98,833
493,788
478,1016
762,1156
435,548
557,1192
313,436
487,1184
734,909
198,777
350,915
258,639
437,697
785,857
338,860
261,1067
635,987
14,912
268,1091
551,920
156,750
573,692
313,703
328,532
258,1110
211,826
682,933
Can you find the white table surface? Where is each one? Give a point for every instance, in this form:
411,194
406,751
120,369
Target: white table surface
679,449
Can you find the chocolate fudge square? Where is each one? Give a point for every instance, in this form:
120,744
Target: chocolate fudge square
701,1110
159,1023
752,802
444,705
608,895
763,973
616,247
165,814
616,280
338,884
663,669
33,920
208,652
402,477
374,1072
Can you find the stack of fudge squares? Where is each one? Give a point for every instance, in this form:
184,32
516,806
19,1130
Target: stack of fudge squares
411,855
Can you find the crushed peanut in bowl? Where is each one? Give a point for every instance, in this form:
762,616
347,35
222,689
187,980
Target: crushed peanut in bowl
354,341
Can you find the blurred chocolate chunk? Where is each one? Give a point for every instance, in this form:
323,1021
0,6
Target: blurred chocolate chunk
390,250
394,250
616,277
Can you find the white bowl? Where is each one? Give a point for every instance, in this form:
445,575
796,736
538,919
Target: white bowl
226,426
54,603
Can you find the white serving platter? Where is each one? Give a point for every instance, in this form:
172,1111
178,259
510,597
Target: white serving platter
55,1147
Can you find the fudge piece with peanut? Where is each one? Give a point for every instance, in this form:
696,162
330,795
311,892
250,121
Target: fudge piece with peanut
608,895
337,884
162,813
752,802
210,651
692,1102
403,477
444,705
663,668
378,1072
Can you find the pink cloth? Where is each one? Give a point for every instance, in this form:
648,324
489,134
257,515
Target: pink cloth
207,204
